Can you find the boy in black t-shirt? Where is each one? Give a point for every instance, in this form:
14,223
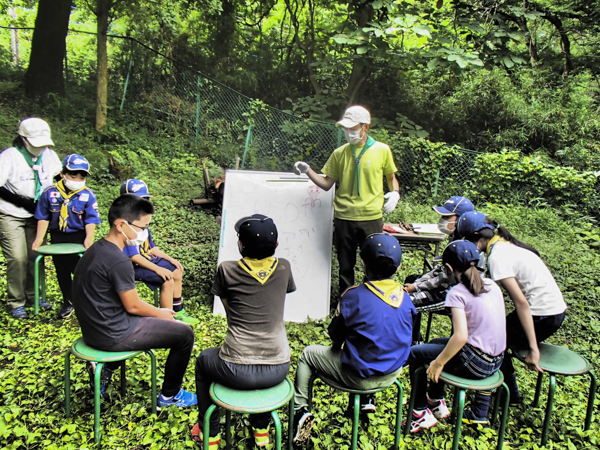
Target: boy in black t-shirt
111,314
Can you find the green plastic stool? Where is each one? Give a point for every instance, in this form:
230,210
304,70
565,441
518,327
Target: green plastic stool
356,401
40,269
251,402
83,351
460,386
556,360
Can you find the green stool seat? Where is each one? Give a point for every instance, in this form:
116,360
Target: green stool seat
460,386
355,396
83,351
251,402
556,360
40,269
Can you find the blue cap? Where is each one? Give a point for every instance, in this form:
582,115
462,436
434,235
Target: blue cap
455,206
75,162
471,222
137,187
465,252
257,232
381,244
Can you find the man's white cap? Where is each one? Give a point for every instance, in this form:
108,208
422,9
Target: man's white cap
353,116
36,131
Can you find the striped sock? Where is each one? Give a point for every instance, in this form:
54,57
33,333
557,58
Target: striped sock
177,304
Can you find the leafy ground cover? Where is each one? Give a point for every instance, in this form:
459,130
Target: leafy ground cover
32,351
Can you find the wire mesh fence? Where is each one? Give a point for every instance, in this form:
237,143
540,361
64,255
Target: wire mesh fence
169,95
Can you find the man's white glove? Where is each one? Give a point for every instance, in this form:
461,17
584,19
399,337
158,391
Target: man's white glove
301,167
392,200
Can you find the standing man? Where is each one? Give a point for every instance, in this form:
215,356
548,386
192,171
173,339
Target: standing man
358,167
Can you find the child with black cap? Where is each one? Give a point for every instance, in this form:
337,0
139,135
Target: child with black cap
255,353
373,323
476,347
70,211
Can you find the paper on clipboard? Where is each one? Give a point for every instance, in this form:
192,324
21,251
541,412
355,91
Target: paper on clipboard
430,229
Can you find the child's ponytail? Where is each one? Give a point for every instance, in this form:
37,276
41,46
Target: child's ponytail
472,280
507,236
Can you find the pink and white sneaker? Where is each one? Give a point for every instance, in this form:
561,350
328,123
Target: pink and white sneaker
438,408
422,421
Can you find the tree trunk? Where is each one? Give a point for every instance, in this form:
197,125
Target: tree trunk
103,8
45,72
361,66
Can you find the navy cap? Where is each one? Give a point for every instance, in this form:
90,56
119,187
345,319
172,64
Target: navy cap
471,222
257,232
137,187
465,252
75,162
455,206
381,244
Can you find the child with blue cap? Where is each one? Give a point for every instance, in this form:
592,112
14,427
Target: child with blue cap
373,324
154,267
70,211
476,348
539,303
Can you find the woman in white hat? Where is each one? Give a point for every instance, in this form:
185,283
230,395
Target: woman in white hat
26,169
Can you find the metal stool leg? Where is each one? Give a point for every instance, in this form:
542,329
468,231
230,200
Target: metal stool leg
97,373
429,320
411,403
459,414
590,406
123,379
538,390
227,430
549,407
398,414
355,421
153,379
36,284
504,419
277,423
156,302
291,423
68,383
206,426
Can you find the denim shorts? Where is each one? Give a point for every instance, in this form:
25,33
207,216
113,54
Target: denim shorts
470,359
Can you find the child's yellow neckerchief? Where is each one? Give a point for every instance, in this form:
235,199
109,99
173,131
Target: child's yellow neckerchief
64,208
260,269
387,290
495,240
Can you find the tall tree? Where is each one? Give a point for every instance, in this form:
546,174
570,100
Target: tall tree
45,72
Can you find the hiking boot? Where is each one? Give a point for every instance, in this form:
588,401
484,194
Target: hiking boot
470,418
422,420
261,436
183,317
303,423
183,399
19,313
213,442
438,408
44,306
105,377
66,310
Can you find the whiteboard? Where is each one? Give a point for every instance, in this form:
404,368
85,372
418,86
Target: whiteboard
303,214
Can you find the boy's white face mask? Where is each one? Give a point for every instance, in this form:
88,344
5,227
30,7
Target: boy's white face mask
73,185
446,226
353,136
140,238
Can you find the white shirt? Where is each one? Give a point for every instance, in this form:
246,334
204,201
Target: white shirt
19,178
533,277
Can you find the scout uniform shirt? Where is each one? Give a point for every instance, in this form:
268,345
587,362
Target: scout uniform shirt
82,209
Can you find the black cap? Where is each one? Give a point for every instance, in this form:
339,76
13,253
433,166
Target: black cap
258,235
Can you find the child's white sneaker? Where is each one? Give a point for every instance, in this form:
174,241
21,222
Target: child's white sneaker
422,420
438,408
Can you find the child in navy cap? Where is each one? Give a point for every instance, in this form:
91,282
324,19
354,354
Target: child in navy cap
153,266
373,324
70,211
476,348
255,353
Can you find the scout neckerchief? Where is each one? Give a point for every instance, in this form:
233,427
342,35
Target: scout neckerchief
495,240
368,144
260,269
64,208
387,290
36,170
145,249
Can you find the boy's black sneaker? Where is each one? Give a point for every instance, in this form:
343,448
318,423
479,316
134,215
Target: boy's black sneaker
303,423
105,377
66,310
470,418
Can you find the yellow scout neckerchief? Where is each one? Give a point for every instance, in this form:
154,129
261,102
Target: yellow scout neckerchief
495,240
387,290
370,142
64,208
260,269
145,249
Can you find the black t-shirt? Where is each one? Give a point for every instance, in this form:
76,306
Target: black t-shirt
102,272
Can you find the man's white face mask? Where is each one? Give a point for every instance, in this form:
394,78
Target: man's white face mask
353,136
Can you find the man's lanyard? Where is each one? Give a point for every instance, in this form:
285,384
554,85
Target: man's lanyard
370,142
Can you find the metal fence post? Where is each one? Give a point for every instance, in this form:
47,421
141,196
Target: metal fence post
198,109
128,74
437,179
248,140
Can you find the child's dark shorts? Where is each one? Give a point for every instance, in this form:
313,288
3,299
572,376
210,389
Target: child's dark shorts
151,278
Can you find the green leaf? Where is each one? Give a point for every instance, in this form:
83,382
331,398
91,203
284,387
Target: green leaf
362,50
508,62
341,39
422,30
377,4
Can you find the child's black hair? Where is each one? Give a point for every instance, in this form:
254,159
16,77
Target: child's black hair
502,232
66,171
261,252
470,275
129,207
381,267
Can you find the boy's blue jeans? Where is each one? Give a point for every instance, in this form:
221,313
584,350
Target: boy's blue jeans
466,363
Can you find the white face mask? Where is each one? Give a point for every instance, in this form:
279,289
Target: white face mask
35,151
140,238
353,136
443,226
73,185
